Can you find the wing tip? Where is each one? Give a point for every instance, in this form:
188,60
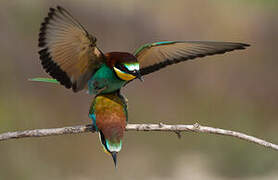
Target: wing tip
43,27
48,64
60,8
243,45
53,69
246,45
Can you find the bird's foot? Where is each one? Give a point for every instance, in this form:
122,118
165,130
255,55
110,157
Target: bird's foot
91,127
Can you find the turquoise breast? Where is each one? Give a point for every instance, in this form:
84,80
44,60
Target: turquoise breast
104,79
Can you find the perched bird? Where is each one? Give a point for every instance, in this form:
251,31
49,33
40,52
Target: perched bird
109,114
70,55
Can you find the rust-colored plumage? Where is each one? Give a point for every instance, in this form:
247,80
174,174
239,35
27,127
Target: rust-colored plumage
119,57
109,115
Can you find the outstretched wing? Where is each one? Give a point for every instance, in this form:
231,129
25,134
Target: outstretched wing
67,51
155,56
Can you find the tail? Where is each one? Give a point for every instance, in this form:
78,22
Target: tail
48,80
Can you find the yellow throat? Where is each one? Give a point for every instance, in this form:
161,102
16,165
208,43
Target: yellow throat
123,75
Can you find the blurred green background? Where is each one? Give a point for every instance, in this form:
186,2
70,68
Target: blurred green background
237,91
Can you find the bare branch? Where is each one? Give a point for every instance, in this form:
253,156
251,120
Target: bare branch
138,127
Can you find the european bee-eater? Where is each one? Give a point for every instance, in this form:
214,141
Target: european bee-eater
109,115
70,55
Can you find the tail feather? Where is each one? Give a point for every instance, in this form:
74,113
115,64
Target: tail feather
48,80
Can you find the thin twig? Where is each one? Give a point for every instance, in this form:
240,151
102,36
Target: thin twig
138,127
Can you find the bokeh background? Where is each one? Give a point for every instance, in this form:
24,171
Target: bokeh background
237,91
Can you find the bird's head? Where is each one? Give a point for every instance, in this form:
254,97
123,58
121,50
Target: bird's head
110,148
125,65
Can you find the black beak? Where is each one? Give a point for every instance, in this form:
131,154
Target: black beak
114,156
138,75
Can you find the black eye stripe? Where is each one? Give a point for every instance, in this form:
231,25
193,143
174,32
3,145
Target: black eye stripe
122,67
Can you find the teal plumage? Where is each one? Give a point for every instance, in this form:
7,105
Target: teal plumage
104,80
